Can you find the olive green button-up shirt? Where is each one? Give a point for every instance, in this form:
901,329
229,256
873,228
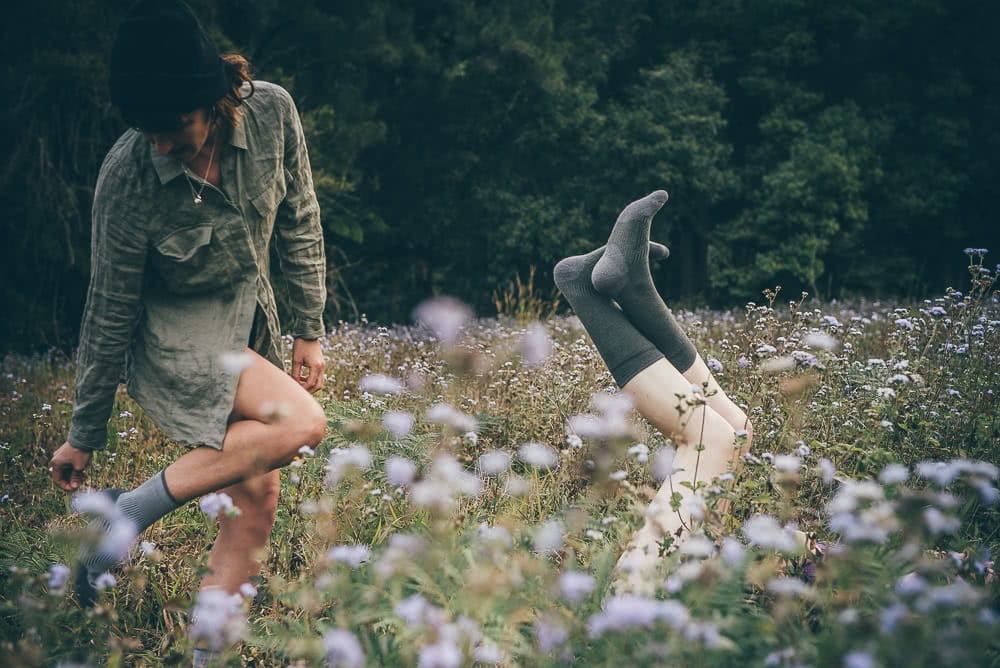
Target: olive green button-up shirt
175,284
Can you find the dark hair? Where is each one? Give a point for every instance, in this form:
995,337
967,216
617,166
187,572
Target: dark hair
226,109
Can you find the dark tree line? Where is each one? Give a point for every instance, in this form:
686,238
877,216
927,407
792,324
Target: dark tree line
839,148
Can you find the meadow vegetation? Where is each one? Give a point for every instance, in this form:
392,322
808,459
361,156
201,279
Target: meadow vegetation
473,495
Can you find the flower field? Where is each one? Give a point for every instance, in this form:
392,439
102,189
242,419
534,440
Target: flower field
480,478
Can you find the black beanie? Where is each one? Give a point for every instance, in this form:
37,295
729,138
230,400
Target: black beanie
163,61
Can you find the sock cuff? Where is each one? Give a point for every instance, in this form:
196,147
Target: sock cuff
166,490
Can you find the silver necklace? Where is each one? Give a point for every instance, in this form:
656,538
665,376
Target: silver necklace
196,195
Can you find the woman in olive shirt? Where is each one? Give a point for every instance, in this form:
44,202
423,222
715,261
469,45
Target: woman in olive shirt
186,206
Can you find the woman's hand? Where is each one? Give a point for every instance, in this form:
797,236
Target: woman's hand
308,355
68,467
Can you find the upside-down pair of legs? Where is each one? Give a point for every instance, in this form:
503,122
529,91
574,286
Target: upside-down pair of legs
653,361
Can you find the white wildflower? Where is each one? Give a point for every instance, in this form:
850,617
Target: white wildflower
218,502
235,363
444,316
732,551
535,345
787,463
398,423
352,555
663,463
399,471
548,536
765,531
820,340
217,619
538,455
445,414
494,462
640,451
378,383
575,586
343,650
893,474
343,460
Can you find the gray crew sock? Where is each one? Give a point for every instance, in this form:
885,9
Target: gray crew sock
142,506
623,348
623,275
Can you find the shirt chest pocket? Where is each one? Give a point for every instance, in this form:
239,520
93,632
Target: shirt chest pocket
195,259
271,191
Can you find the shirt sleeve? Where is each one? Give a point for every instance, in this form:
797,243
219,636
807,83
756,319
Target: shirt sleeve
299,234
117,262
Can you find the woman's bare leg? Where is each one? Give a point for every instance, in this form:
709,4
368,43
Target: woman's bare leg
665,397
257,441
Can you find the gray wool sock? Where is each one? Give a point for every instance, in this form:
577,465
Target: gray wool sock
623,348
142,506
623,274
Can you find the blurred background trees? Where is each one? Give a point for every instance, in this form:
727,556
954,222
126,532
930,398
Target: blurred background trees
843,149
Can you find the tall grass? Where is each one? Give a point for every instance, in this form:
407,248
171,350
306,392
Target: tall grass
460,564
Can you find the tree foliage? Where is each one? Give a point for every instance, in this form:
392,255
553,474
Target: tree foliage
836,148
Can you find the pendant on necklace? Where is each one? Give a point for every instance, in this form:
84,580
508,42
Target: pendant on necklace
197,199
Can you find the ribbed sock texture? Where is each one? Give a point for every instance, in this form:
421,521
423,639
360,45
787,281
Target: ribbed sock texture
623,348
142,506
623,274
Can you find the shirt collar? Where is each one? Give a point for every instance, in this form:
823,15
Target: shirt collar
168,169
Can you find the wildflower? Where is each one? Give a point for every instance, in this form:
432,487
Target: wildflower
342,460
766,349
397,423
975,251
937,311
714,364
697,545
938,523
487,653
859,659
493,462
58,577
910,584
235,363
548,536
663,463
764,531
147,547
399,471
104,581
378,383
820,340
893,474
630,611
494,534
343,649
125,414
248,590
742,362
617,475
886,393
787,463
412,609
218,502
777,364
641,452
574,441
802,450
732,552
306,451
445,480
216,619
594,534
444,316
445,653
787,586
401,551
904,323
535,345
538,455
550,634
352,555
575,585
444,414
695,506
